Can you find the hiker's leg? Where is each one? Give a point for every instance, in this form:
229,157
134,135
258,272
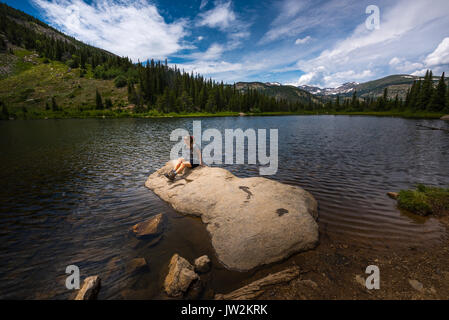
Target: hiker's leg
182,166
178,163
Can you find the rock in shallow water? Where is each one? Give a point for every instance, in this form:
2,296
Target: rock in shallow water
180,276
252,221
90,289
136,265
150,228
202,264
446,118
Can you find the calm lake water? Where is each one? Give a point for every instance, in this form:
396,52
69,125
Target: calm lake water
71,190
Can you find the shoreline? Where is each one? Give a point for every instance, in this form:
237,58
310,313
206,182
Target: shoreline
336,271
114,115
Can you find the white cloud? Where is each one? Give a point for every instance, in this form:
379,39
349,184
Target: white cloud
200,38
303,40
295,17
319,76
221,17
214,52
395,61
127,28
440,56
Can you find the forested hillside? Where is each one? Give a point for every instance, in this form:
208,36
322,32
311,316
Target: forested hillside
422,96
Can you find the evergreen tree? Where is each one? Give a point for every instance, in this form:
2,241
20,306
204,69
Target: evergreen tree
354,101
5,113
211,103
108,103
54,105
426,91
98,101
438,100
337,103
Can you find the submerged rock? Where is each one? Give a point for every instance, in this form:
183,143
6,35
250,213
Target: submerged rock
89,290
418,286
150,228
252,221
180,276
202,264
256,288
136,265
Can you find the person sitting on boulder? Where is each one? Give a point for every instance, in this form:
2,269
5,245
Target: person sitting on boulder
195,158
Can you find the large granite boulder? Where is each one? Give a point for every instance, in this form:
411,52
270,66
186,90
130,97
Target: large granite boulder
252,221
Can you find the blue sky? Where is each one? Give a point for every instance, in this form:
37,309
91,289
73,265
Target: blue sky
315,42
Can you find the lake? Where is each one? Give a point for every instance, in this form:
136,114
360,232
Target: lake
72,189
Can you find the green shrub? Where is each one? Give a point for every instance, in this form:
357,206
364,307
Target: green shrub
425,200
72,63
120,81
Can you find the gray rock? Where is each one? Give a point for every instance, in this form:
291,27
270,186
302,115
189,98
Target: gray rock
256,288
180,276
202,264
446,117
89,290
150,228
418,286
136,265
252,221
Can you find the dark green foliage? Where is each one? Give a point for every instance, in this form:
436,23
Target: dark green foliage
98,101
54,105
3,45
5,113
438,100
425,200
108,103
120,81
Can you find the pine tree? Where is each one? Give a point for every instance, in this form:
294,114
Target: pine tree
5,113
426,91
54,105
211,103
438,100
108,103
337,103
354,101
98,101
447,100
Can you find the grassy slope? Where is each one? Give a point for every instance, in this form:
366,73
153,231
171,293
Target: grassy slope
32,84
